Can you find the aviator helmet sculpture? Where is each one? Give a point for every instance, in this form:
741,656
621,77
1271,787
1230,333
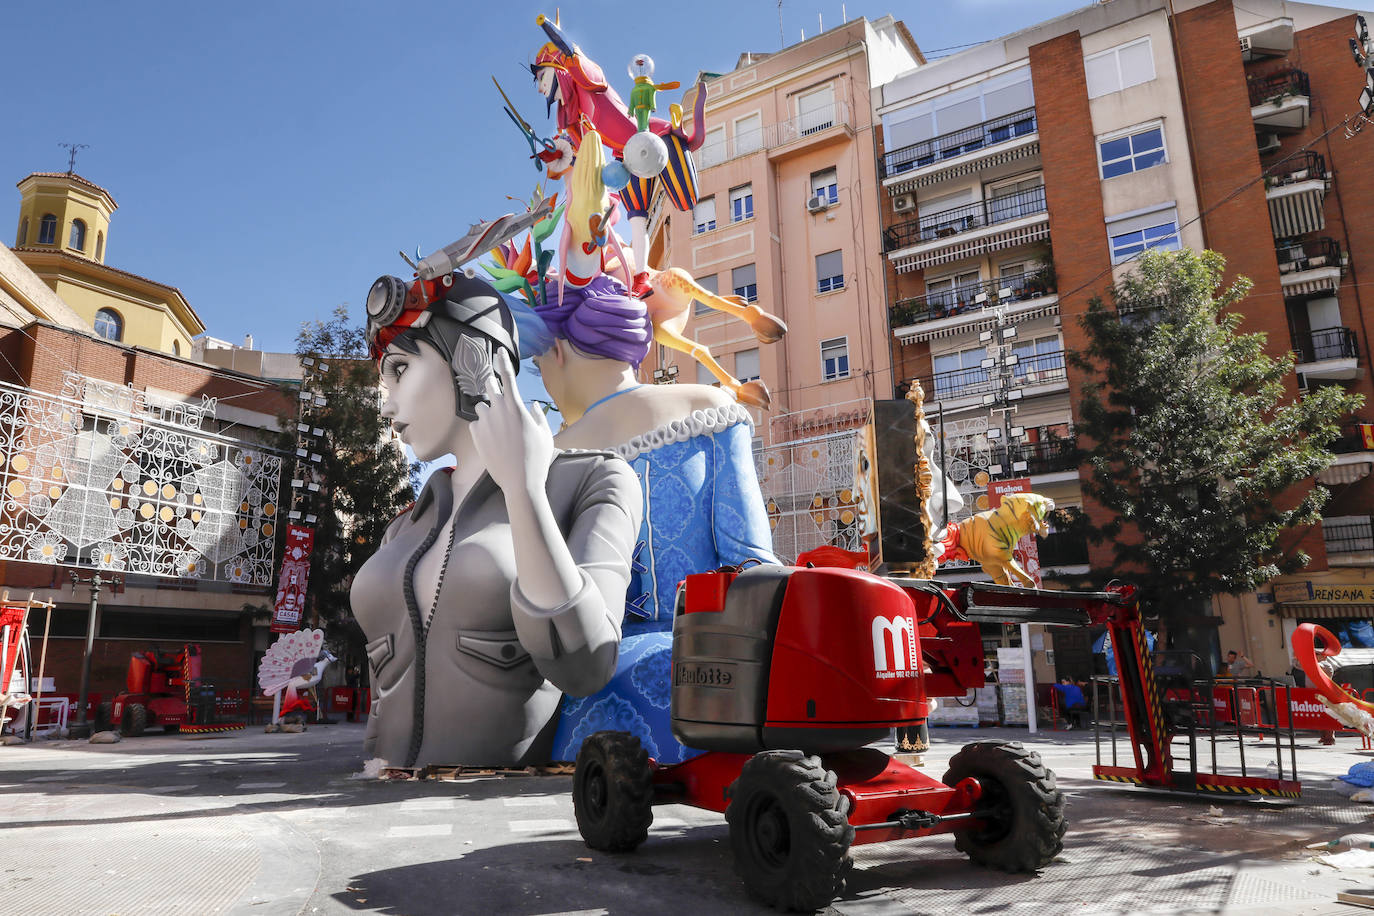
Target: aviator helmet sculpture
459,314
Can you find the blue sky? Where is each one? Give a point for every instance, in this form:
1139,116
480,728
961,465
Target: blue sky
270,159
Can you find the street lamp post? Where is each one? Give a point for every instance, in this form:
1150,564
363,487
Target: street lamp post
82,728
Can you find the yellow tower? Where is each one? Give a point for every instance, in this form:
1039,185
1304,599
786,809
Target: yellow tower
63,224
65,212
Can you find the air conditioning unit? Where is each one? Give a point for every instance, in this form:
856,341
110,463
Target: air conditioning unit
816,203
1268,143
904,203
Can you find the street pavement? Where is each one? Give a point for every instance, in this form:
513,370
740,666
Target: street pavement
255,824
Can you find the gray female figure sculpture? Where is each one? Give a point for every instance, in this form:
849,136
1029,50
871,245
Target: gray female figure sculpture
504,585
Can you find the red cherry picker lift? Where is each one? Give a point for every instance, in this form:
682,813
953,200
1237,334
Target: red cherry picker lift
784,675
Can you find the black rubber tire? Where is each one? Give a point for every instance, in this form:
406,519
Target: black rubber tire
613,792
789,830
134,720
1027,831
103,713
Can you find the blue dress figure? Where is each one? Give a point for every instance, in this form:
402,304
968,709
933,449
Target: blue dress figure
691,447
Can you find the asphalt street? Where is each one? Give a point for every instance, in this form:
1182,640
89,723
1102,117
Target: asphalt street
260,825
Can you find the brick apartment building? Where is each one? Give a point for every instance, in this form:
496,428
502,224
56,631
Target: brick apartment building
1020,175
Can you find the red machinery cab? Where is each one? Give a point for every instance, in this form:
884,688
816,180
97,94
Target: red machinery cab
782,657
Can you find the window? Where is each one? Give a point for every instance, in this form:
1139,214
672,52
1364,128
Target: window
1119,68
23,233
1015,199
1131,153
829,271
109,325
748,134
704,215
952,294
176,348
747,365
47,229
816,110
712,286
742,203
78,236
1133,233
834,358
100,246
825,186
704,376
744,281
713,150
993,99
960,372
1039,360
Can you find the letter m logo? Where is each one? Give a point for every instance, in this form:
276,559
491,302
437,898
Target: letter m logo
899,634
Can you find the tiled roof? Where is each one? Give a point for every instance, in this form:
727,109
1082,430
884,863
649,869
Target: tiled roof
71,175
114,270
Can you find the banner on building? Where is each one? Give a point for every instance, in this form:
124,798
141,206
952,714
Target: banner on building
1367,435
1027,550
295,576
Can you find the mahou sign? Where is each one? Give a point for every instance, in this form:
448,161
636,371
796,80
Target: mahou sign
295,576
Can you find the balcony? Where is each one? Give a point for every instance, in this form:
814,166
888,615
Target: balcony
1354,458
1296,191
975,229
972,298
951,385
1049,456
1310,266
783,138
1348,536
962,152
1280,101
1063,548
1328,353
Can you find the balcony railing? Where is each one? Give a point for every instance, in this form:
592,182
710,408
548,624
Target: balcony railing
945,223
1309,166
1327,343
1310,254
957,383
948,146
1278,85
1348,535
1351,439
1044,457
774,135
964,297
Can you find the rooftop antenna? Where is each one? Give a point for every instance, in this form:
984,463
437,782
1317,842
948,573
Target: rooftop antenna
782,40
820,24
71,158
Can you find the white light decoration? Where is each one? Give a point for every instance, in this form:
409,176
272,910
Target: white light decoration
101,478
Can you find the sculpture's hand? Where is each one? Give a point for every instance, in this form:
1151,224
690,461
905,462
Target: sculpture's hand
514,442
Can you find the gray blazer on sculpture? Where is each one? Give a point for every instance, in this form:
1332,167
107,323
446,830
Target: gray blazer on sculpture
478,682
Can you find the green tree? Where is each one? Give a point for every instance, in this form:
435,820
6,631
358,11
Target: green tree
366,480
1197,442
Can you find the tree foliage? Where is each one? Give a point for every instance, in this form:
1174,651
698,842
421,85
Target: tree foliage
1196,436
365,477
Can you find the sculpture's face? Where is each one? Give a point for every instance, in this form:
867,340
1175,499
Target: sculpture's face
420,400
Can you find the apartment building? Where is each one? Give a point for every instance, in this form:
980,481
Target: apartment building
788,216
1020,176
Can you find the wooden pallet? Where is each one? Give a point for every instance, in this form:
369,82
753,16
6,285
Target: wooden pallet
450,773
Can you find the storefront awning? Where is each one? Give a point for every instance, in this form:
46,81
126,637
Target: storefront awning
1327,611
